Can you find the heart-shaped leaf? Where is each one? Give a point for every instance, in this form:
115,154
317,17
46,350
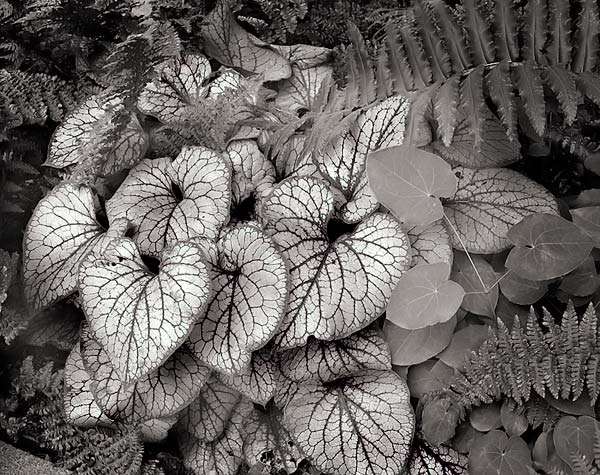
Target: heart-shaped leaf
61,232
575,434
69,141
479,281
583,281
138,317
428,376
409,347
488,202
227,42
588,219
440,418
299,92
329,360
268,444
513,419
173,201
343,161
431,244
294,160
362,424
248,302
427,459
180,83
486,418
497,454
521,291
463,342
335,288
256,382
208,415
409,182
161,394
546,247
424,296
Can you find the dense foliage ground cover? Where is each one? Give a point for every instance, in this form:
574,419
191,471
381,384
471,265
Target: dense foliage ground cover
275,237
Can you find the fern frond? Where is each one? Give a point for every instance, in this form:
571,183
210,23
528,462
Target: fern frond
531,92
361,77
401,73
559,45
446,109
534,31
586,38
479,35
452,35
500,87
505,26
439,59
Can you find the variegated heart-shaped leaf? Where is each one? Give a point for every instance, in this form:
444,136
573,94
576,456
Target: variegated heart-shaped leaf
141,318
169,201
431,244
299,92
336,288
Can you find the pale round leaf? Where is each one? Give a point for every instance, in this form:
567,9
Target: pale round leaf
138,317
496,454
335,288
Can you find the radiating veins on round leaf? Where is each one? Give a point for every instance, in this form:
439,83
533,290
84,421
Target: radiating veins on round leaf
257,381
488,202
138,317
431,244
335,288
247,305
227,42
173,201
252,173
161,394
343,160
300,91
62,230
73,134
207,416
329,360
362,424
179,83
410,182
424,296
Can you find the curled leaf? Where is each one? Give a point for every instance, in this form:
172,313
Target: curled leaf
169,201
335,288
362,424
248,302
138,317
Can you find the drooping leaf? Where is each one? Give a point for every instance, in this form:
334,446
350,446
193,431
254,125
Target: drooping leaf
445,107
583,281
343,161
57,327
169,201
558,50
488,202
161,394
400,70
586,38
427,459
588,219
463,342
500,87
335,288
486,417
534,31
417,132
497,454
249,295
329,360
62,230
424,296
299,92
227,42
409,347
360,69
522,291
257,382
431,244
362,424
531,92
415,54
208,415
479,281
589,85
440,418
139,317
472,103
506,33
76,131
546,246
409,182
454,38
432,43
431,375
481,44
562,83
573,434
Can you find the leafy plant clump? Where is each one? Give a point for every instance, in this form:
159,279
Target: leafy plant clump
243,263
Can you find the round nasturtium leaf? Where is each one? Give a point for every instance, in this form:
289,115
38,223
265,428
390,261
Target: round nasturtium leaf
486,417
207,416
464,341
70,138
343,161
497,454
248,301
488,202
440,418
141,318
547,246
61,232
431,375
588,219
424,296
431,244
410,182
258,381
179,83
479,281
363,424
575,434
161,394
519,290
172,201
329,360
336,288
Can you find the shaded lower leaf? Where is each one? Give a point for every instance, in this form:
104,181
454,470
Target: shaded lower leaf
522,291
427,459
429,376
575,434
496,454
479,282
588,219
439,419
463,342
